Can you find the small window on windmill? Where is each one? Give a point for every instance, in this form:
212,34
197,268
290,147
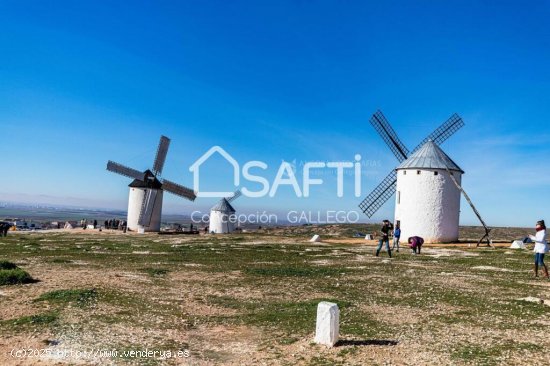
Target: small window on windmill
418,172
398,197
404,172
436,173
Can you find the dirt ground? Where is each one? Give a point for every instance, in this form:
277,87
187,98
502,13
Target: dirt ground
251,298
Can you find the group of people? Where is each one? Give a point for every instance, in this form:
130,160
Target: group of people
84,223
114,224
415,242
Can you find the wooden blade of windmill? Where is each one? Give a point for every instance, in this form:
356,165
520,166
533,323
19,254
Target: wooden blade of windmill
236,195
160,158
125,171
379,195
146,212
388,134
443,132
178,190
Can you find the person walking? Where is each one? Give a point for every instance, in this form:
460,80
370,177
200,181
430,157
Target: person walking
396,236
385,232
4,227
541,248
415,243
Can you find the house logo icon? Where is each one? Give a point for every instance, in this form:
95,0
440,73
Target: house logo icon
195,169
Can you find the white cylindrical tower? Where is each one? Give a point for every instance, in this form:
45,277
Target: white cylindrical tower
222,218
135,202
427,200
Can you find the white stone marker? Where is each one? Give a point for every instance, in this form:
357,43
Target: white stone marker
315,238
328,323
368,237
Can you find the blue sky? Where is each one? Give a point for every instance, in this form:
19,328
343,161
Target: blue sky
84,82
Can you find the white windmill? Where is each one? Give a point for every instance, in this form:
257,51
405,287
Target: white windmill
428,185
146,191
427,203
222,215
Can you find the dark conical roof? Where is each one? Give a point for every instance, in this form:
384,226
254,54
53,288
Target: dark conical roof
429,156
223,206
150,181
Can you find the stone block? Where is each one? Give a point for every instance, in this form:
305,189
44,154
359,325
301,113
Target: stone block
328,323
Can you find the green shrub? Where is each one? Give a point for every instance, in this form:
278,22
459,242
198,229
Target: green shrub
295,271
155,271
81,297
7,265
38,319
14,277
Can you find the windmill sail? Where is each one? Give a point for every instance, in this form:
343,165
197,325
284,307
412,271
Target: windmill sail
147,207
386,188
124,170
385,130
379,195
179,190
443,132
162,150
236,195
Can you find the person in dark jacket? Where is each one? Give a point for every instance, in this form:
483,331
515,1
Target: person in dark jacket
4,227
384,238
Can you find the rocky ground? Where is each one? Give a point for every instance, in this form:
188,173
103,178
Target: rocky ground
251,298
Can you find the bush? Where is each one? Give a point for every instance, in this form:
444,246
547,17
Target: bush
82,297
155,271
14,276
38,319
7,265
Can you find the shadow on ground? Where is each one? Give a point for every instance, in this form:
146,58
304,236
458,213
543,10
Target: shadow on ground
366,342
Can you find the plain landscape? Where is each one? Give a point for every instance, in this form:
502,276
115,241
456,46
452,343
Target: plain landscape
251,298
